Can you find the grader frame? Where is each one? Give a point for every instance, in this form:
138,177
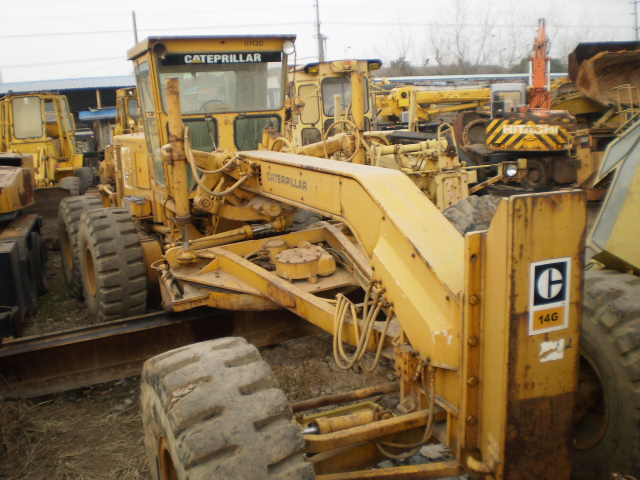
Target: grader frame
491,373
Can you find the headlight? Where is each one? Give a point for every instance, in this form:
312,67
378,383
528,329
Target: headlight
288,47
510,170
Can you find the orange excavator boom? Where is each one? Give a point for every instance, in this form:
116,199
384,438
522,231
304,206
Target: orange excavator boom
540,93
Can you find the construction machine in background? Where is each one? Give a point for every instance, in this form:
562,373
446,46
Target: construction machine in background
22,253
603,93
40,124
428,155
230,97
128,117
321,95
412,106
522,125
128,121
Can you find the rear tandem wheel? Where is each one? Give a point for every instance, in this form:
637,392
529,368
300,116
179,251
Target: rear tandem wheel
69,213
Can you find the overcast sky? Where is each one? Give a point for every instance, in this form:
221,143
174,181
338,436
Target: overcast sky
47,39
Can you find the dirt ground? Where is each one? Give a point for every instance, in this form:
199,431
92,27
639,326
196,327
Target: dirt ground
96,432
56,309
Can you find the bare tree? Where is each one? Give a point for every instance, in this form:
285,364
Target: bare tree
462,42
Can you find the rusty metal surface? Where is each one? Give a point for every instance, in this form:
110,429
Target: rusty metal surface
597,68
529,420
55,362
345,397
407,472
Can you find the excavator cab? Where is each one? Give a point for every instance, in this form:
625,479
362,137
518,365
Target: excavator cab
507,98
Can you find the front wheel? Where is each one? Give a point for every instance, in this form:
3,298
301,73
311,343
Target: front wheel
212,410
112,267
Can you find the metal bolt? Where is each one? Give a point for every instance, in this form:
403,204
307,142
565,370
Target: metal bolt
473,341
471,420
472,381
473,299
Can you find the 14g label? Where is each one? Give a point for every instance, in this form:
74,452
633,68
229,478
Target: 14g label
549,295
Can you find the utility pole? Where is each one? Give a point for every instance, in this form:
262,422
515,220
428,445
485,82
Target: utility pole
319,35
135,27
635,19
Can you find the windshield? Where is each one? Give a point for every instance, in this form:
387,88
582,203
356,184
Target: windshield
27,117
512,100
134,110
332,86
226,82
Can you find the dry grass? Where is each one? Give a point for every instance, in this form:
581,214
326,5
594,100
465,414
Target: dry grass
86,435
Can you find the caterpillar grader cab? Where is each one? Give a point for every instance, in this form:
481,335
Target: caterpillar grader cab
232,89
40,124
321,95
128,118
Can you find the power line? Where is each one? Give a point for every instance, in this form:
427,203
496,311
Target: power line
69,62
150,13
472,25
164,29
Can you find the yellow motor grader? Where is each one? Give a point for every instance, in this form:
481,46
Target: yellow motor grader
482,327
429,156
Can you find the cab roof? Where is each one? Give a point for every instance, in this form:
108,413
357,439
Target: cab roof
146,44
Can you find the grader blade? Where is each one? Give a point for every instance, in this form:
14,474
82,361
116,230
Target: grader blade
76,358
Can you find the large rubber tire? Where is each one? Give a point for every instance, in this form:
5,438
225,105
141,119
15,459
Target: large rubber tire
85,176
538,176
69,213
114,280
213,410
72,184
472,213
608,438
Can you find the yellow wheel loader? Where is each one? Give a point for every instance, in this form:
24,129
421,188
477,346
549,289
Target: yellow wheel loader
40,124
